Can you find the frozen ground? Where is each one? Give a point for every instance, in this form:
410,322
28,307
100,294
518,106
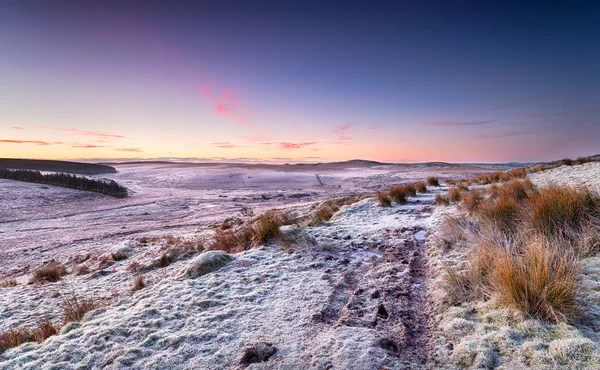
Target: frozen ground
351,293
39,223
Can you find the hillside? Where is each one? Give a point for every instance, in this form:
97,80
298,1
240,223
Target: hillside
56,166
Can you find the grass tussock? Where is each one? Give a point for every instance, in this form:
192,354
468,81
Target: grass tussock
441,200
421,187
52,272
526,247
266,228
118,256
16,336
398,194
433,181
74,308
8,283
139,283
384,199
164,260
454,194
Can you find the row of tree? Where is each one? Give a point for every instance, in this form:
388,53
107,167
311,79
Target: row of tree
107,187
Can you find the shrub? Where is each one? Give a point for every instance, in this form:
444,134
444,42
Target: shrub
50,273
454,194
384,199
398,194
539,280
441,200
567,162
74,307
433,181
582,160
118,256
421,187
138,283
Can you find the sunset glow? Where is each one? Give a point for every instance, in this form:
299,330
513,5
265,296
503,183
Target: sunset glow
234,81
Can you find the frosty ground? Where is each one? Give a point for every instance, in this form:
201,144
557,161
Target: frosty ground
352,292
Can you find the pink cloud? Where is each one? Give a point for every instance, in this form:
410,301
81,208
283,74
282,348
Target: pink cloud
36,142
230,95
225,145
374,128
223,110
286,145
17,128
448,123
339,131
204,91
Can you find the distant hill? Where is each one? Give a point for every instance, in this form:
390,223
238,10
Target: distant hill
55,166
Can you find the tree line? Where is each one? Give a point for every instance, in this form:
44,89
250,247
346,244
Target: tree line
107,187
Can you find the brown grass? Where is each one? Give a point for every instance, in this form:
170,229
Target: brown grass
15,337
398,194
421,187
540,281
441,200
502,213
138,283
454,194
266,228
321,215
384,199
8,283
472,201
74,307
44,330
49,273
118,256
555,209
164,260
433,181
411,190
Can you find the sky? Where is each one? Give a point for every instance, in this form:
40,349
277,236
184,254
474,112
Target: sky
299,81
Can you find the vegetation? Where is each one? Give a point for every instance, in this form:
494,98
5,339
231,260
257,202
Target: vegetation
74,307
526,247
56,166
49,273
8,283
384,199
433,181
109,187
421,187
398,194
138,283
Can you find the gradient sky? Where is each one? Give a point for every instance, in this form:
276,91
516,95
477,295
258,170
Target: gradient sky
387,81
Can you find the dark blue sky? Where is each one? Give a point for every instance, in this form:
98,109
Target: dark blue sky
437,80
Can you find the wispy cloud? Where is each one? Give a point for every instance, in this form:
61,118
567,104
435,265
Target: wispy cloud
286,145
225,145
568,113
374,128
455,123
340,130
87,146
36,142
84,132
133,150
224,110
508,134
17,128
230,95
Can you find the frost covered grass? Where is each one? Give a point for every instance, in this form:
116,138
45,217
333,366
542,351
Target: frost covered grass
433,181
384,199
8,283
514,270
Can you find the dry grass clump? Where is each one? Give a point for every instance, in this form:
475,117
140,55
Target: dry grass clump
74,307
421,187
16,336
433,181
398,194
441,200
8,283
164,260
118,256
582,160
525,253
138,283
321,215
266,228
50,273
454,194
411,190
567,162
384,199
555,210
539,280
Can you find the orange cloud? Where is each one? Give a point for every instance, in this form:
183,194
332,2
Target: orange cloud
17,128
86,146
36,142
84,132
134,150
